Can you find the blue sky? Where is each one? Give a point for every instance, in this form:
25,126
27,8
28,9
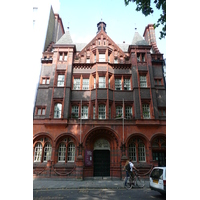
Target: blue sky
82,17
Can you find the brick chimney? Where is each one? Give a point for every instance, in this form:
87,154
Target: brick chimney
150,37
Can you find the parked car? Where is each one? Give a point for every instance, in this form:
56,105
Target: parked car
157,179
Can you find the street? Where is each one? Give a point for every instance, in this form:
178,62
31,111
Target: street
96,194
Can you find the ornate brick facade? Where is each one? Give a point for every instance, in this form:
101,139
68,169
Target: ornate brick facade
97,105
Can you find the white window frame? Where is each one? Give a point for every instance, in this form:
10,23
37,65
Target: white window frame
76,85
143,81
118,84
94,83
141,152
60,56
146,111
38,152
102,82
61,152
57,110
102,57
47,152
132,152
119,111
71,152
60,81
127,84
84,112
85,84
128,112
102,111
65,56
75,110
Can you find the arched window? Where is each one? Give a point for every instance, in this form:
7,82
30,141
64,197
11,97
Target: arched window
38,152
57,110
47,152
61,152
71,152
137,150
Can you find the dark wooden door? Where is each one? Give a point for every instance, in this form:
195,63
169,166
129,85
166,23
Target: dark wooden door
160,157
101,163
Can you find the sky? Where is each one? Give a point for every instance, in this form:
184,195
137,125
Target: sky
82,16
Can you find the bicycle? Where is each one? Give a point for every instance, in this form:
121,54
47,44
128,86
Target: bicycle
137,181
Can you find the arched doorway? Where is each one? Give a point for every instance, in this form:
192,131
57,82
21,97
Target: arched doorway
101,158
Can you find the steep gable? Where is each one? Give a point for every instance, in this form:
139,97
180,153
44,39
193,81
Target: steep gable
102,42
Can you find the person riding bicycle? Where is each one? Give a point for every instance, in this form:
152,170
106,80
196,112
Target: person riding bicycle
131,168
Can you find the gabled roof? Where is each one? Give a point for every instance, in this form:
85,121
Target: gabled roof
138,40
65,39
116,46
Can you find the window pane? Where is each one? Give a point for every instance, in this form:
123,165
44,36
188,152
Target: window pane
132,152
57,110
39,111
65,57
84,112
71,152
47,80
43,111
102,112
127,85
43,81
60,81
102,82
101,57
143,81
85,84
75,111
146,111
119,111
118,85
47,152
76,84
61,152
38,152
128,112
141,152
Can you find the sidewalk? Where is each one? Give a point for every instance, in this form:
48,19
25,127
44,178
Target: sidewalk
39,184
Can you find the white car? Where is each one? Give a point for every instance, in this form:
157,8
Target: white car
157,179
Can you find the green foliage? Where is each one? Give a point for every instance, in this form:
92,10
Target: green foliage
145,7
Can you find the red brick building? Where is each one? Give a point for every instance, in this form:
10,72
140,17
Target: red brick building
99,104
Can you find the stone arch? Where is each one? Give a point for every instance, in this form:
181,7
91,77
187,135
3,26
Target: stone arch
140,135
101,132
157,135
37,138
67,135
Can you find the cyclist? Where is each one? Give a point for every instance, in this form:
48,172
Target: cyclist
131,168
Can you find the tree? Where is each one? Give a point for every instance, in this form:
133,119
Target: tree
145,6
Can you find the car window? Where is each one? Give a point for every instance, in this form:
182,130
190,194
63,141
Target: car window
157,174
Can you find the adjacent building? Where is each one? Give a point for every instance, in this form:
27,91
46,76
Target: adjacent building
99,104
47,29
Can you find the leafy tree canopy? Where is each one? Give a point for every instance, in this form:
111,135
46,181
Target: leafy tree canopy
145,6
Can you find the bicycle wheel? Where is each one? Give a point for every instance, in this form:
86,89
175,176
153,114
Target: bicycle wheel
140,182
128,184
